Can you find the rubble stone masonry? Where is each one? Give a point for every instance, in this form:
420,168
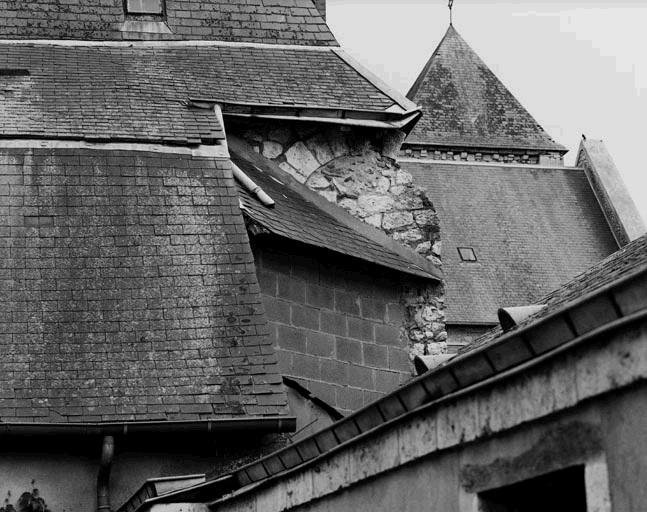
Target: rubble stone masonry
356,169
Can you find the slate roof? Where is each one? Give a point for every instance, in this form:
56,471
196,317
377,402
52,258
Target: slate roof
141,92
531,228
621,263
260,21
465,105
128,291
295,217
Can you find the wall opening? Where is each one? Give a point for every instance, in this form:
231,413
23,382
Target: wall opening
559,491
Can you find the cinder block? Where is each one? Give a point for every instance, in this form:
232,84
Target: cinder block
387,335
291,289
373,308
320,344
346,303
375,355
304,316
290,338
349,350
360,329
320,296
334,323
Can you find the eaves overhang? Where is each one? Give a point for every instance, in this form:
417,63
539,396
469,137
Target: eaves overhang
391,119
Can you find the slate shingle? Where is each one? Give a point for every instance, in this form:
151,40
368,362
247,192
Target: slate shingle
128,291
464,104
119,92
294,22
531,228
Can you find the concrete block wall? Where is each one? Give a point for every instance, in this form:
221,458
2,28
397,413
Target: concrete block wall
337,325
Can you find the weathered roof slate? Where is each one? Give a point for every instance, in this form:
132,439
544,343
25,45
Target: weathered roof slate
295,217
531,228
621,263
128,291
465,105
141,92
260,21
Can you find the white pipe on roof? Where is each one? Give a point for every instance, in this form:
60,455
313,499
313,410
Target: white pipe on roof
251,187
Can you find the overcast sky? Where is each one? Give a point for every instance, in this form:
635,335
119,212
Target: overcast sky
577,66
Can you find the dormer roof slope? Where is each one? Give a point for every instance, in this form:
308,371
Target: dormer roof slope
295,22
465,105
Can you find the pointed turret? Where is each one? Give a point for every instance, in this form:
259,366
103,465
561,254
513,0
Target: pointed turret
466,106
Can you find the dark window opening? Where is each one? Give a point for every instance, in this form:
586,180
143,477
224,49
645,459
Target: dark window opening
467,254
560,491
145,7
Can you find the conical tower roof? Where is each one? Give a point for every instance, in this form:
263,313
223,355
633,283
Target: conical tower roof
465,105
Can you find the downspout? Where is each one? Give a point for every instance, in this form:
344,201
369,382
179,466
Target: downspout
103,478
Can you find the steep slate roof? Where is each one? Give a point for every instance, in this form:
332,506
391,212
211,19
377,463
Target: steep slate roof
295,217
465,105
614,267
531,228
260,21
140,92
128,291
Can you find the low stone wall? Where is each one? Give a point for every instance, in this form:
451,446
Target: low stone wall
551,159
355,169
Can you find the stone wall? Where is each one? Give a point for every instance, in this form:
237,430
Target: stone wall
552,159
355,169
338,325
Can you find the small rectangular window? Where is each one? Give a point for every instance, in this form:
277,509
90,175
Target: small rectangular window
150,7
560,491
467,254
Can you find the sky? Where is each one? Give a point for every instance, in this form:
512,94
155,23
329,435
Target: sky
579,67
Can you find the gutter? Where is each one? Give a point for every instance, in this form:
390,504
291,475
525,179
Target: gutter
271,424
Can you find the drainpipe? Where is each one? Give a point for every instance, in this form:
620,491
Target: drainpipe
103,478
250,186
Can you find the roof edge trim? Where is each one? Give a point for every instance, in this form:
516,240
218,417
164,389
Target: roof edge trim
274,424
377,82
202,150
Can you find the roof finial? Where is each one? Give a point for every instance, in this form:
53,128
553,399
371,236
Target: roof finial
451,20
